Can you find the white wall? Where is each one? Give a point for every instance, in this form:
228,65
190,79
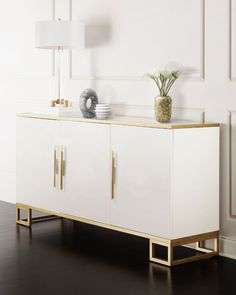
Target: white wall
126,38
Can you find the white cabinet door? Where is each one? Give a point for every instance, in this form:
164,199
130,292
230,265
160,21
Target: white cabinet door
35,163
87,181
142,199
195,181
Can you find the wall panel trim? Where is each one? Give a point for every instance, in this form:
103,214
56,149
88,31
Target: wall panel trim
232,77
233,216
137,77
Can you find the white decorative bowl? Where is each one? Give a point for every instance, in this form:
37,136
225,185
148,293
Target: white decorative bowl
102,112
100,105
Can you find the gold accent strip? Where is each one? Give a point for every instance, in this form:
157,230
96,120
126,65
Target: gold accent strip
55,168
121,123
201,125
44,218
62,169
113,180
201,248
193,239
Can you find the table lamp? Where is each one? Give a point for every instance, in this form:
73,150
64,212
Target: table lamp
59,35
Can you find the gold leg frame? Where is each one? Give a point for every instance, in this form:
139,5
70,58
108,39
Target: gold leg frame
203,252
29,219
199,240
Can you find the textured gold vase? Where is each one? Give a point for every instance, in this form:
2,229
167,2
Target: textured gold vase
163,109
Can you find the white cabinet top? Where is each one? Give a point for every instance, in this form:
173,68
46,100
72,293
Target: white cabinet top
125,121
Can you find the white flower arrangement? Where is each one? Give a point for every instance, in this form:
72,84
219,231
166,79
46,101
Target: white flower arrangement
164,79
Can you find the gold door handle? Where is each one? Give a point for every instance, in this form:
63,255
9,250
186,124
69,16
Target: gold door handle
113,178
55,168
62,164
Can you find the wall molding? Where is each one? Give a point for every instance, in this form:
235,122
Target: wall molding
138,77
230,41
37,77
231,113
232,77
53,52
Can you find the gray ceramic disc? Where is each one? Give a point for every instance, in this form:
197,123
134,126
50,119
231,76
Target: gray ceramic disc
88,111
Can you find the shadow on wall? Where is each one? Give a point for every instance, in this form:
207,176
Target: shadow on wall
97,35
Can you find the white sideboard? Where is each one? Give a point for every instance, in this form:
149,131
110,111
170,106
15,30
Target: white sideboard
158,181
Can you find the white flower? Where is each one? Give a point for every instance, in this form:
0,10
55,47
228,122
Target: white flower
166,74
176,74
150,75
175,69
159,69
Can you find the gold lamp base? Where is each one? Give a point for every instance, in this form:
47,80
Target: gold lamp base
60,102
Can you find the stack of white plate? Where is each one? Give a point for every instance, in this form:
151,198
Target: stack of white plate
102,110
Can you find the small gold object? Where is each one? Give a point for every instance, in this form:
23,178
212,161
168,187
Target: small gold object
60,102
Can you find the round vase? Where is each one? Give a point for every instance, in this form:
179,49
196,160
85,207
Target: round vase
163,109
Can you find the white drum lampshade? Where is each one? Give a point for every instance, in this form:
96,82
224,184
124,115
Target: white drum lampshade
59,35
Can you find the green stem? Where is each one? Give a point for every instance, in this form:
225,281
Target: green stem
157,83
163,87
168,84
172,82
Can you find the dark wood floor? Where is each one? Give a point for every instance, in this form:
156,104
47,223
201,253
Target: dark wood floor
63,257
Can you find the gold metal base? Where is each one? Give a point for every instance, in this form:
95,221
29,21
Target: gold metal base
199,240
202,252
29,219
26,222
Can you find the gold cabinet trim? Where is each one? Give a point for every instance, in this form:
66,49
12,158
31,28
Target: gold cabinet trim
124,122
153,240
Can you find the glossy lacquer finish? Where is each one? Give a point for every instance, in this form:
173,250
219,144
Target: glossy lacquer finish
161,182
87,182
142,196
79,183
195,181
36,141
62,257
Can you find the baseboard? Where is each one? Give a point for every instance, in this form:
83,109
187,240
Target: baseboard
8,202
227,247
